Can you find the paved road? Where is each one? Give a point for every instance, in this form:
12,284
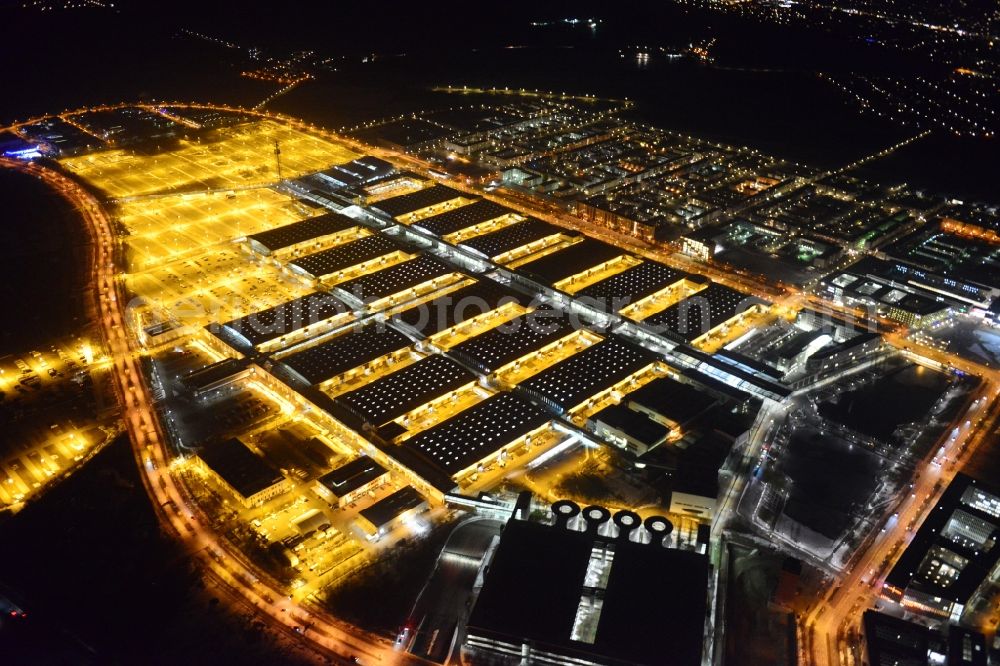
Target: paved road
445,600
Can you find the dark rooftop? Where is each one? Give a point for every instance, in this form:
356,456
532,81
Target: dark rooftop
355,474
266,325
959,528
892,641
344,256
358,172
408,203
245,471
300,232
504,240
568,383
499,346
570,260
388,508
392,396
674,400
536,580
396,278
350,349
477,432
462,217
700,312
632,423
632,284
457,306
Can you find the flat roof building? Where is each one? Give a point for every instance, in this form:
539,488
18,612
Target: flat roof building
394,395
286,323
893,641
487,430
456,307
582,376
247,476
632,284
348,482
702,312
463,217
527,234
497,347
569,261
339,258
953,555
670,402
300,234
405,204
353,348
596,597
383,515
374,286
628,429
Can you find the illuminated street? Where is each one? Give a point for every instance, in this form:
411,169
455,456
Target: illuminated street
388,364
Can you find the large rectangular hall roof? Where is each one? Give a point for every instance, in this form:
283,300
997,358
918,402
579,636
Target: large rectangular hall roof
414,201
344,256
392,396
570,260
463,217
599,367
354,347
477,432
304,230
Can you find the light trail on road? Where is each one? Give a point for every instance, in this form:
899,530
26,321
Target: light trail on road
215,556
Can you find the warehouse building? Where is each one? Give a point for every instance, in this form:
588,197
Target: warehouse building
593,596
382,516
241,472
349,482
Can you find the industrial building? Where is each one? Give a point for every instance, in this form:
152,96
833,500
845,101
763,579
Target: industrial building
480,434
591,590
633,284
351,349
382,516
285,324
463,217
628,429
298,236
363,254
349,482
702,313
245,475
393,395
425,202
588,373
517,240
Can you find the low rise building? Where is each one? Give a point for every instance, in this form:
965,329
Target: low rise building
379,519
349,482
246,476
628,429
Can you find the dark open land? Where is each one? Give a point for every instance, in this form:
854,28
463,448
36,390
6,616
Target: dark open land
102,585
904,395
830,481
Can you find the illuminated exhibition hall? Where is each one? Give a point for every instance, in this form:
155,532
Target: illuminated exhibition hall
664,334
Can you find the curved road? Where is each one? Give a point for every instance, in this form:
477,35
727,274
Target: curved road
331,638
